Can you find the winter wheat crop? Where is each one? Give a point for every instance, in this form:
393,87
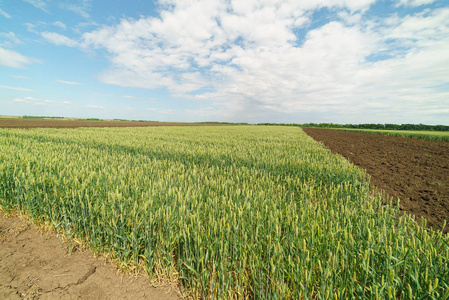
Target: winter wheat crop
230,212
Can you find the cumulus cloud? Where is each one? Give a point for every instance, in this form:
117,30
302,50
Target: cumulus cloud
247,56
13,59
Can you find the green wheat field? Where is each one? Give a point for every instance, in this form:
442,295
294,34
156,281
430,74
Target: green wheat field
422,134
257,212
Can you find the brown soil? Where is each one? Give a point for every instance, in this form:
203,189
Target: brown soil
414,170
57,123
33,265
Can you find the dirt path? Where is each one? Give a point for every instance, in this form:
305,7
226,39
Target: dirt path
34,266
415,170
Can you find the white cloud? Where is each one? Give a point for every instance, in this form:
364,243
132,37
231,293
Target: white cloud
68,82
246,56
28,100
87,24
38,4
80,7
21,77
9,39
163,111
30,27
81,27
13,59
59,39
33,27
424,28
415,3
167,111
60,24
16,88
5,14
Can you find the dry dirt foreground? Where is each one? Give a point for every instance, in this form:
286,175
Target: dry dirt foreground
35,266
414,170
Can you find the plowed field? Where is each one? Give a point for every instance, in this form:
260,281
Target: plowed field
414,170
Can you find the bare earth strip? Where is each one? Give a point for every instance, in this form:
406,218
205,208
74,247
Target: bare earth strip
35,266
414,170
55,123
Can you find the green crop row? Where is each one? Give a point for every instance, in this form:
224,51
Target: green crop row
229,212
428,135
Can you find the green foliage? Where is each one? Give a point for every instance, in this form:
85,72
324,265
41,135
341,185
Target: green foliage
414,127
237,212
222,123
40,117
429,135
126,120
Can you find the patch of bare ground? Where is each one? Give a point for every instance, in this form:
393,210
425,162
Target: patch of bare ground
414,170
57,123
33,265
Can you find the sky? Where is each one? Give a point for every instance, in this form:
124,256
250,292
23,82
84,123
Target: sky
281,61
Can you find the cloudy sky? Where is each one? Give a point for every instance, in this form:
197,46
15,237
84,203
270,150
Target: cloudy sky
288,61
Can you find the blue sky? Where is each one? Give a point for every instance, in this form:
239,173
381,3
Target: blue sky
286,61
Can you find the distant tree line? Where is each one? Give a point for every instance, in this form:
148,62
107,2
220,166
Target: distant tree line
370,126
41,117
222,123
